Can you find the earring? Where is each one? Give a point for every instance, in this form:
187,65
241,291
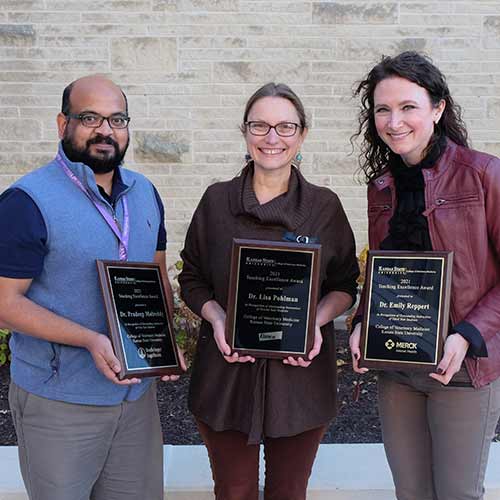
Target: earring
298,159
247,157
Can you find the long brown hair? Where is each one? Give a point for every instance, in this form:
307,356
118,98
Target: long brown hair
418,69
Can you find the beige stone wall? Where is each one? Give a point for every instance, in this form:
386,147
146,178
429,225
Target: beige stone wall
189,65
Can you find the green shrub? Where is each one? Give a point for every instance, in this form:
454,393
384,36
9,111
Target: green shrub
362,258
4,347
186,323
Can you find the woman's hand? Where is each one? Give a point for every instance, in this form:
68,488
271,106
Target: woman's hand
214,313
354,346
455,349
318,340
182,363
330,306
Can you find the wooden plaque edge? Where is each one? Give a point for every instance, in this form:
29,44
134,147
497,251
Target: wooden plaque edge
315,249
443,320
114,329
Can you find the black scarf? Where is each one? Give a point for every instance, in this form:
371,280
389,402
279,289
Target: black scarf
408,228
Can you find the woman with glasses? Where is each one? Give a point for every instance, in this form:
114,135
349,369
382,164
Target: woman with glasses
239,401
427,190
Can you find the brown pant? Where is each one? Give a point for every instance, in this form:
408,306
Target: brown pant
235,464
437,438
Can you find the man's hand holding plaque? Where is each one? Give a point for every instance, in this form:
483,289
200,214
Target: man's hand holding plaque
139,320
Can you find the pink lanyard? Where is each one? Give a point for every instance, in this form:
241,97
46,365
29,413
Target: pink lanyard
123,236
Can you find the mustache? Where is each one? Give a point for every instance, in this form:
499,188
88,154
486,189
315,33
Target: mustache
100,139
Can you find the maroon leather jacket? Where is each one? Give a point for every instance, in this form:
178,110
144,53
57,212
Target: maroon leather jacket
462,198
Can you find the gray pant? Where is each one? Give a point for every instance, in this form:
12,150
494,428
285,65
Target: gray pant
437,438
80,452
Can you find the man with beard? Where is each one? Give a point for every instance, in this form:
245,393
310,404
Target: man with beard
82,433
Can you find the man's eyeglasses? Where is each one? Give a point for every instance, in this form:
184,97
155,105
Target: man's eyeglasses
94,120
283,129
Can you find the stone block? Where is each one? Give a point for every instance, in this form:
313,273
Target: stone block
217,135
22,5
220,147
73,5
180,215
195,5
12,129
177,230
355,13
493,148
365,50
473,22
190,181
334,164
137,106
203,42
182,192
193,66
49,147
207,5
144,53
71,41
22,163
46,113
441,7
9,112
246,72
165,5
276,6
89,29
161,147
49,19
17,35
491,31
233,159
487,8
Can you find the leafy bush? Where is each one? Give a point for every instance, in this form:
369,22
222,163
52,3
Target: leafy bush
363,256
186,323
4,347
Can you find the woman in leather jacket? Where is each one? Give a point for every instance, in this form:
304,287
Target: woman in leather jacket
427,190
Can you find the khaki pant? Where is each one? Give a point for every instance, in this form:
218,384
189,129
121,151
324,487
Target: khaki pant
81,452
437,438
235,464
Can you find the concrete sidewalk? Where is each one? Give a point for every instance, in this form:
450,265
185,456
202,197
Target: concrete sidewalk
341,472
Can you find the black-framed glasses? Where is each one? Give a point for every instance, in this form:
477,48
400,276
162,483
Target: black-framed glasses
283,129
94,120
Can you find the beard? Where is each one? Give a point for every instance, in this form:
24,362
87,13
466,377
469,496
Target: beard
102,164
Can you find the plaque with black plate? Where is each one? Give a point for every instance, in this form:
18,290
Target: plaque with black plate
273,294
138,318
406,311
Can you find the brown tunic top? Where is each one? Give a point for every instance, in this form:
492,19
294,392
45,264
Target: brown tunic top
266,398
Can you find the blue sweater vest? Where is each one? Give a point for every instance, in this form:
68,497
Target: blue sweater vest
77,235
